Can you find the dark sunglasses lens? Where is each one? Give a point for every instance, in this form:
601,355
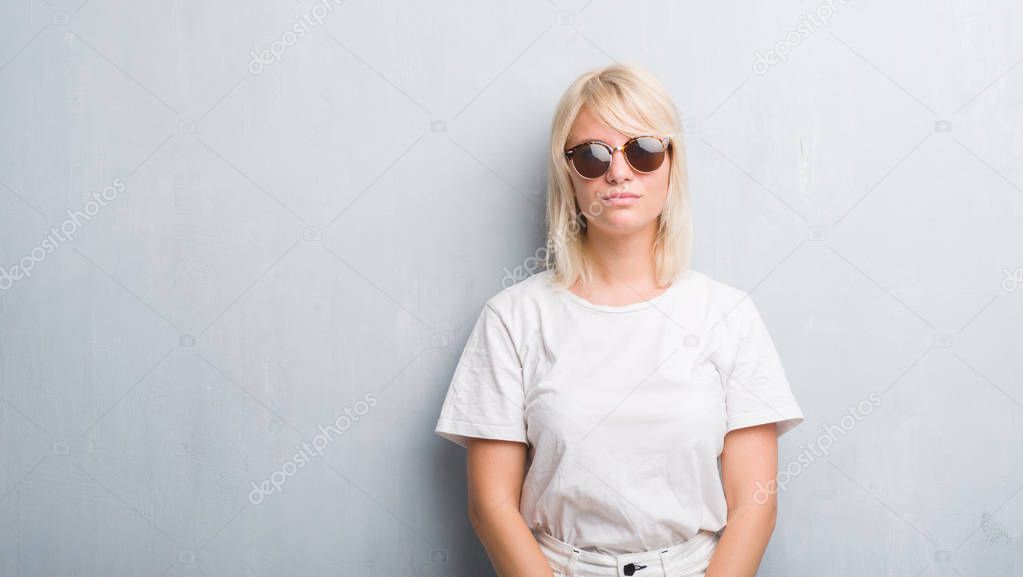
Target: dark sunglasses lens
645,154
591,160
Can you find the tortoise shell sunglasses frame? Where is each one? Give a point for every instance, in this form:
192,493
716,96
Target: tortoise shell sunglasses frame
647,160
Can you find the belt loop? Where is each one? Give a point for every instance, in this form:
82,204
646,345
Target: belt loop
573,561
664,564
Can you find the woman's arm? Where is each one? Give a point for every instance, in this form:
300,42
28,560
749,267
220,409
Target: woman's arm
749,467
496,471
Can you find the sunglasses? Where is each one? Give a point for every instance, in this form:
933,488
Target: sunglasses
593,158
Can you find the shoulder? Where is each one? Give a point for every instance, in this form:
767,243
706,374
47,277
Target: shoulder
719,306
523,295
711,292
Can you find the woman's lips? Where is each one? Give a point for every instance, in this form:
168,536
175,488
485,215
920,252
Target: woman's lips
622,199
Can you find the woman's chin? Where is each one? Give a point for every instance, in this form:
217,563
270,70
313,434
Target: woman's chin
622,221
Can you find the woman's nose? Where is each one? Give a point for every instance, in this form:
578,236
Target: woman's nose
619,168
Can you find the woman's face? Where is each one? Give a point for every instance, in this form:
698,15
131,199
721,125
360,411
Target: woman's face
604,200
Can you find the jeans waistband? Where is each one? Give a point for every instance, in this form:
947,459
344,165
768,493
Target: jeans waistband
689,557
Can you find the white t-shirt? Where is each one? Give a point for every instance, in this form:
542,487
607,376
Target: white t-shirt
624,408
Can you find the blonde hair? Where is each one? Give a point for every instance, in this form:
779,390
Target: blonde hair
632,101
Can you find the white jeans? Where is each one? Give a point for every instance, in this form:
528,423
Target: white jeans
687,559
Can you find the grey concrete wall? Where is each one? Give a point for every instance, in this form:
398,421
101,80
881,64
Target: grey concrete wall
243,242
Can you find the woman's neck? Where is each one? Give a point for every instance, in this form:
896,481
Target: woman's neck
625,259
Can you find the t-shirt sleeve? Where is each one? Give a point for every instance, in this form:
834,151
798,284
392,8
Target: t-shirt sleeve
757,390
485,398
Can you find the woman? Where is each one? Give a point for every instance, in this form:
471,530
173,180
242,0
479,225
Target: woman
620,409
